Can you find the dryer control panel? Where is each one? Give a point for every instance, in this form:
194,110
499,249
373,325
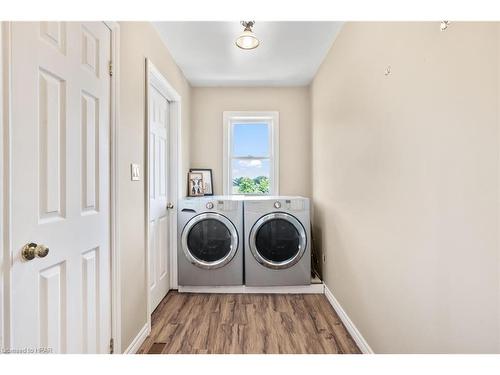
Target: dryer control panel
296,204
290,204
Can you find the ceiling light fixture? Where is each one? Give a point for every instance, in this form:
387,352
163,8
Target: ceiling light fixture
444,25
247,39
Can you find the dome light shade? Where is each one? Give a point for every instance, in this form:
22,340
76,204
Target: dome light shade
247,39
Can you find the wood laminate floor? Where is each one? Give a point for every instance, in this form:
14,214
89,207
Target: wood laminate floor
246,323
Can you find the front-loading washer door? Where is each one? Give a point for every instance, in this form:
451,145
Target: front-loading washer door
209,240
277,240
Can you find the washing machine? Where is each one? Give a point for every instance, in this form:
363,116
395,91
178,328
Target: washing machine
210,241
277,241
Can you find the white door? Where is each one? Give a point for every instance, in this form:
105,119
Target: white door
60,186
158,118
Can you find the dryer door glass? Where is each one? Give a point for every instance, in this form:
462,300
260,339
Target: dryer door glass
278,240
209,240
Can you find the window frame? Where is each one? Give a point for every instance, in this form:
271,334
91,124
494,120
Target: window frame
241,117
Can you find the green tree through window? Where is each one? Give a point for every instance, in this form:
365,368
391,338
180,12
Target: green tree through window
247,185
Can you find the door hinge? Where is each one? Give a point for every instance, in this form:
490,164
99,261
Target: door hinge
111,68
111,346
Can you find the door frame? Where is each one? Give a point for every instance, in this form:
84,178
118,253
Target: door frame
114,27
153,75
6,255
4,185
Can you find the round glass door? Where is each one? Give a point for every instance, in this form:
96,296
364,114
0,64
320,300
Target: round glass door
277,240
209,240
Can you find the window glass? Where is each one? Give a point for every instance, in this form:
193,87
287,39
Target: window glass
209,240
251,163
250,176
277,240
250,140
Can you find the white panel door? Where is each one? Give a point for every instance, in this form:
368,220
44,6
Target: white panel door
61,186
158,195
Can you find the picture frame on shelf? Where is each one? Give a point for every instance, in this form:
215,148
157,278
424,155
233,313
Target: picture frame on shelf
195,184
208,186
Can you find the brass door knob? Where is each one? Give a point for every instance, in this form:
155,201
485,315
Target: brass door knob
32,250
41,251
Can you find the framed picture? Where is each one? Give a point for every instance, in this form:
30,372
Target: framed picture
207,180
195,184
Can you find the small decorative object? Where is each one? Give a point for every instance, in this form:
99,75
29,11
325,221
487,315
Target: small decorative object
444,25
207,180
195,184
387,71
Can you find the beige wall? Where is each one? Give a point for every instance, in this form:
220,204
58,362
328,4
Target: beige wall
3,158
208,104
405,171
138,41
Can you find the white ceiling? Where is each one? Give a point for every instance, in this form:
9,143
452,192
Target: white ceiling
290,53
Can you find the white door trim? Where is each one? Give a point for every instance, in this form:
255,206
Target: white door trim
5,258
114,188
6,184
154,76
1,187
5,196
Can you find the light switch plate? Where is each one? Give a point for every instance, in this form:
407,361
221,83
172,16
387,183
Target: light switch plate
135,172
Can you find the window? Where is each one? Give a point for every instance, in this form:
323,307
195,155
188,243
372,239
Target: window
251,153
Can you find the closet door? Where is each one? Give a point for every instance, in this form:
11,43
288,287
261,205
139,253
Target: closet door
60,150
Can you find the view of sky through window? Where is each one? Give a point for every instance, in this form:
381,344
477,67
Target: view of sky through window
251,140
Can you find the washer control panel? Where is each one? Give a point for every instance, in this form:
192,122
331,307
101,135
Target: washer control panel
221,205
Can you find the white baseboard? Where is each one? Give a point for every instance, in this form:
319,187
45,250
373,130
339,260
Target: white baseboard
243,289
138,340
351,328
